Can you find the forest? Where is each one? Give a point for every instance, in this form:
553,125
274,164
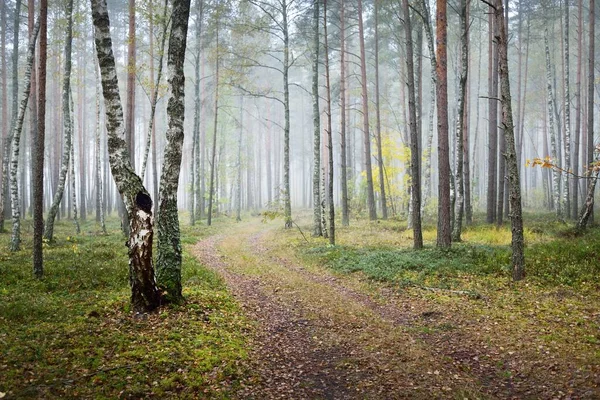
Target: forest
299,199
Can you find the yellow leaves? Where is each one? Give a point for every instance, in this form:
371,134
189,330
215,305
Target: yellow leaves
542,162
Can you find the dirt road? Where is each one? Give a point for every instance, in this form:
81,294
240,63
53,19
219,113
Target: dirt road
324,336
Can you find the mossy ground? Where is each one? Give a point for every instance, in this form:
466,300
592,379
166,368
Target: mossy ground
71,334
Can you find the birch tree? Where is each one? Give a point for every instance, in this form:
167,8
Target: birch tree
460,121
4,186
67,127
329,132
168,262
552,127
138,203
15,241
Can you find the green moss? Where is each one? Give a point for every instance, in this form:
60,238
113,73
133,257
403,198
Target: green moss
71,334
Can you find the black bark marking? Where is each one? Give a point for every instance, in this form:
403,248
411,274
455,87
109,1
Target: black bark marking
143,201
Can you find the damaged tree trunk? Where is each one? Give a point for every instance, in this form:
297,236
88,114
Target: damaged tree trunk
138,203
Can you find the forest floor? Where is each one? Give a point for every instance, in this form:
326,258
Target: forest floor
278,314
327,334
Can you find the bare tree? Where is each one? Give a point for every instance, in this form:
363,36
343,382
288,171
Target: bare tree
316,126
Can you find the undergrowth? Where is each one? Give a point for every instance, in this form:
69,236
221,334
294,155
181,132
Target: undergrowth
71,334
555,255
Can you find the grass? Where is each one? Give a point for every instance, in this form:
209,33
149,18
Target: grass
555,254
71,334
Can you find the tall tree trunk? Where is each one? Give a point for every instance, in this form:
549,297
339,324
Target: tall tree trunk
67,127
287,205
553,145
82,144
316,127
365,110
460,124
443,232
144,294
384,211
72,173
37,166
4,187
415,153
99,183
15,241
329,132
33,125
492,175
238,195
514,186
211,189
425,13
587,212
131,73
576,141
343,147
567,110
4,122
198,148
168,261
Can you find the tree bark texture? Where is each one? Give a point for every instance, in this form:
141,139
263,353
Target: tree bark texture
37,165
384,211
343,134
514,186
443,233
168,261
287,205
4,185
415,153
144,294
15,241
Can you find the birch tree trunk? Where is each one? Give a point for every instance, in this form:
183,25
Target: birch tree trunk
460,124
15,241
317,231
567,109
4,123
425,14
365,110
514,186
4,186
553,147
168,261
415,153
575,179
144,294
67,127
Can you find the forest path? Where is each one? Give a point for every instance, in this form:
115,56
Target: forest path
325,336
